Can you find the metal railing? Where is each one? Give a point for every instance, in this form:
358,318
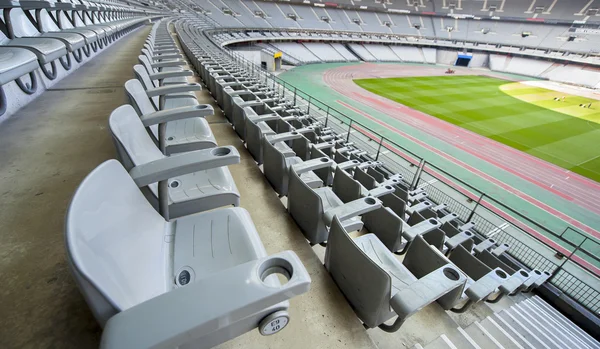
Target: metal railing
571,256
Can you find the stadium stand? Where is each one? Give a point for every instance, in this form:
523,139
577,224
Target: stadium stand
157,242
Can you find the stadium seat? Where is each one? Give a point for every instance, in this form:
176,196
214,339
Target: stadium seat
313,209
379,287
216,284
181,134
187,182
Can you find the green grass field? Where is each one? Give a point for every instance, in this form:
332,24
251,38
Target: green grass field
521,116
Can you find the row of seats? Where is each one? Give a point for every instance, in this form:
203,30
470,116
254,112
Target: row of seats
545,41
541,9
333,188
159,247
43,41
495,31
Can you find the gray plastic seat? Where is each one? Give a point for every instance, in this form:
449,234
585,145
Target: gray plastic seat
16,62
379,287
518,279
202,181
168,101
214,285
483,282
259,126
276,167
313,209
180,135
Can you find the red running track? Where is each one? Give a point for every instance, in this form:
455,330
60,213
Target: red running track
568,185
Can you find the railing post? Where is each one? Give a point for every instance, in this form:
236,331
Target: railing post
379,149
349,129
308,108
295,92
417,177
327,117
475,208
555,272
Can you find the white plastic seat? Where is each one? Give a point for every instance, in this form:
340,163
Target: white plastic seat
16,62
181,135
379,287
188,192
138,272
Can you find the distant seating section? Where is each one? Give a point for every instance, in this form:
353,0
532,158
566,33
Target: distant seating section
334,188
42,42
486,30
158,234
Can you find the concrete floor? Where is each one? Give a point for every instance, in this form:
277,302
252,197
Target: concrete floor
49,146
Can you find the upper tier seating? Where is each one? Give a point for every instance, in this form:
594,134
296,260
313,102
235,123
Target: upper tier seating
41,42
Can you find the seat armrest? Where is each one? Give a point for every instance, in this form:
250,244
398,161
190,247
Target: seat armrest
171,74
184,163
486,285
168,64
167,56
347,164
206,306
367,164
381,191
421,228
311,165
165,49
351,209
458,239
264,117
323,145
175,114
426,290
282,137
176,88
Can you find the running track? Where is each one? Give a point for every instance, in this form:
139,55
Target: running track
570,186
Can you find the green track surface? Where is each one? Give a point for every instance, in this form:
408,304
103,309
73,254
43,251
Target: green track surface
524,117
309,78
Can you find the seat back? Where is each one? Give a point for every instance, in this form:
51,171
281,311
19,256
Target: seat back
378,175
415,218
494,262
364,283
138,97
306,208
365,179
449,230
344,187
142,75
274,167
468,263
421,259
324,174
386,225
394,203
115,242
133,143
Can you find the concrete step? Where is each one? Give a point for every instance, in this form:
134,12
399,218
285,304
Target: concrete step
482,337
516,330
539,319
417,346
567,324
441,342
540,333
461,339
503,337
550,321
